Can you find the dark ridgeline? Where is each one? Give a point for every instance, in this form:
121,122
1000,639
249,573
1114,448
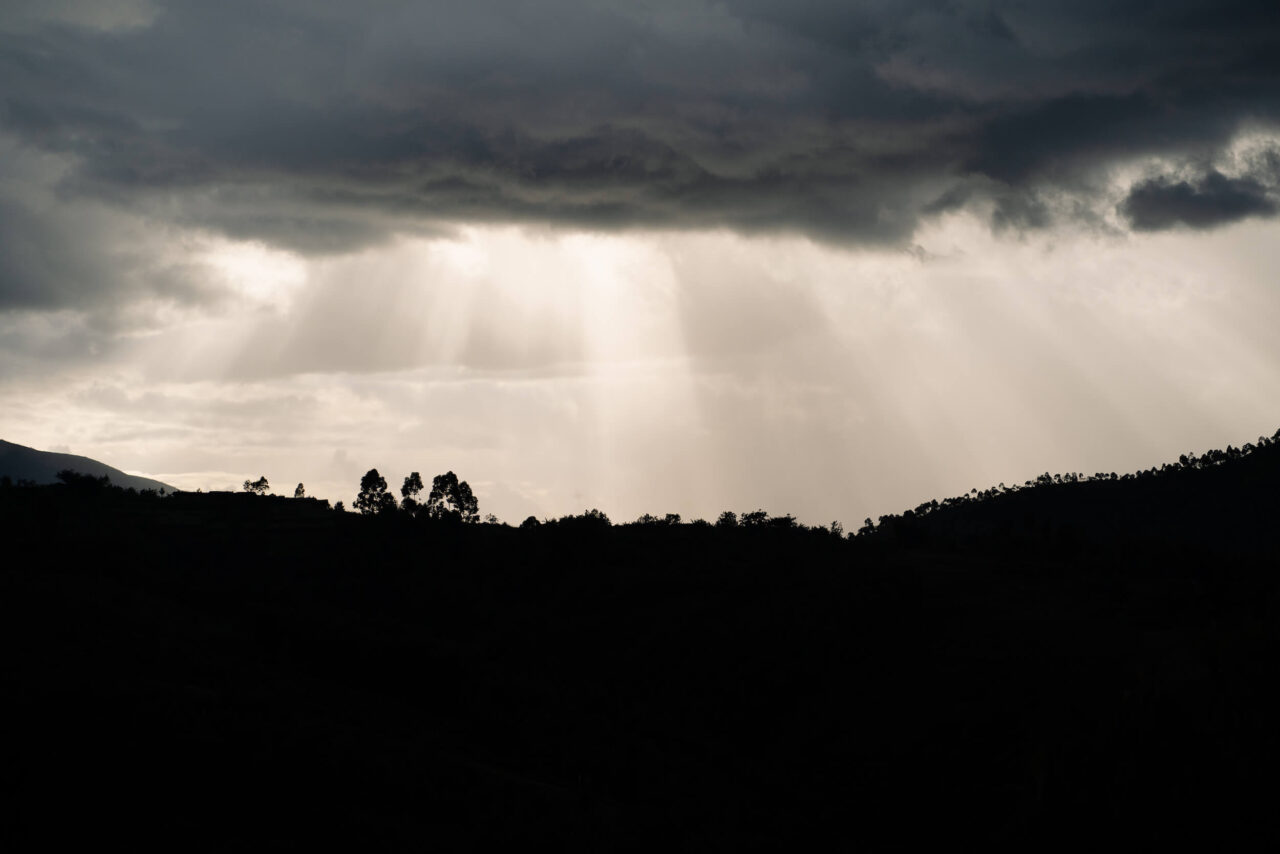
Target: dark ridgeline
1079,660
20,463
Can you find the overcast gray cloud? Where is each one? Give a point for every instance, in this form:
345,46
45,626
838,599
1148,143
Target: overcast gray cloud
324,127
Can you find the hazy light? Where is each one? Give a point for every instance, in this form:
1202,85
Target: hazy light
691,373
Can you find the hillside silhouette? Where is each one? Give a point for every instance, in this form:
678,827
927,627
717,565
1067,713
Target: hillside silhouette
1221,501
20,463
1075,661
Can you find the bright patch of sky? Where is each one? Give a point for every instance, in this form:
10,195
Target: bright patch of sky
688,372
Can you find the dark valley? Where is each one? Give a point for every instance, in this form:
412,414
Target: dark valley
1086,660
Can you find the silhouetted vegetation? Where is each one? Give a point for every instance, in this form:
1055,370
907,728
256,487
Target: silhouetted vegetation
374,498
76,480
257,487
410,491
451,498
1079,660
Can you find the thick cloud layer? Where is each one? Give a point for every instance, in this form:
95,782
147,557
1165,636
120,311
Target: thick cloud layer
327,126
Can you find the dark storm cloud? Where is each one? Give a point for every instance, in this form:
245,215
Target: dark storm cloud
1207,200
326,126
1213,200
59,253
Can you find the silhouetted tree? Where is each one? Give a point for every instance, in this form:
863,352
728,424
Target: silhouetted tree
257,487
409,492
728,519
755,518
451,498
530,522
340,507
300,491
374,497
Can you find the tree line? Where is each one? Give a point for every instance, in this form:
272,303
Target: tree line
452,499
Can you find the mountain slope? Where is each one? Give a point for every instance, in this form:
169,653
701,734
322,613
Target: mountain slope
19,462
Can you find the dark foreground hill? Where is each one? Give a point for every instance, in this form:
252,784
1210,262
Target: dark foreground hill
234,671
1224,502
20,463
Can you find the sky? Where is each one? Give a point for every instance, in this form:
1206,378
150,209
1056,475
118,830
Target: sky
824,258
